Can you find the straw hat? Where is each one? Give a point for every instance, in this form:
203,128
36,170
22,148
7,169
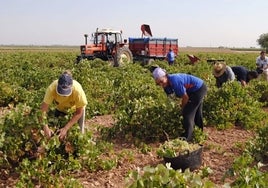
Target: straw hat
219,68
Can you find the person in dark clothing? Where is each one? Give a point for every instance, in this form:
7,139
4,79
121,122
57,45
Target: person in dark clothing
222,73
191,90
243,75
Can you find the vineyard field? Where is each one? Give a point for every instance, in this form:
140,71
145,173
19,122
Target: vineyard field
128,117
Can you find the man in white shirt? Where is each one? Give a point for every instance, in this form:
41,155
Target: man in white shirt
262,64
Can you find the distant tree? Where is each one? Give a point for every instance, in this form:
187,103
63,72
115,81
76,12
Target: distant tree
263,40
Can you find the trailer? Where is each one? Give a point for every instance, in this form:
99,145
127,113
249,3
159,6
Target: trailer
150,49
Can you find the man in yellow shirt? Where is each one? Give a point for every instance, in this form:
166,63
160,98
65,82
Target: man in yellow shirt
67,94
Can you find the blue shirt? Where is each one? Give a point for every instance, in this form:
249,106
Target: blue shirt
171,56
183,83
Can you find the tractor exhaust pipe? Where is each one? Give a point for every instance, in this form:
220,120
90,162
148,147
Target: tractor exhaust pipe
85,35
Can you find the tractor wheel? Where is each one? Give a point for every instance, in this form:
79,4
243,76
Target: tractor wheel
124,56
78,59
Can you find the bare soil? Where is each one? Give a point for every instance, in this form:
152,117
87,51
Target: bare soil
220,150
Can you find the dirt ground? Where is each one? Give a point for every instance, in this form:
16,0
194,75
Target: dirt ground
220,149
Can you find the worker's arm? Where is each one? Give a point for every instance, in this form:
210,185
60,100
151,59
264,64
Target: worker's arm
243,82
265,66
184,101
77,115
258,63
44,110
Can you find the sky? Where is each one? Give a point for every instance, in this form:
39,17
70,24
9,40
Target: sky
195,23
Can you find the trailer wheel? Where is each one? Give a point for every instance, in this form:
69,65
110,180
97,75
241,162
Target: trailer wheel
124,56
147,61
150,61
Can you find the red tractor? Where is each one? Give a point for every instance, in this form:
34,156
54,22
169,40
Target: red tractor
108,44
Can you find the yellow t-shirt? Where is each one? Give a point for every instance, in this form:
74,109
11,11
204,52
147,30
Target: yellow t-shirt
76,100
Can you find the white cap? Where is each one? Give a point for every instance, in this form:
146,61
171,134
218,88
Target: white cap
158,73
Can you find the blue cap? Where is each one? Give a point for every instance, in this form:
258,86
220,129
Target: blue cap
65,83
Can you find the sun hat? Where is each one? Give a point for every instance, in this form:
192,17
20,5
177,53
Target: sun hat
64,87
158,73
219,68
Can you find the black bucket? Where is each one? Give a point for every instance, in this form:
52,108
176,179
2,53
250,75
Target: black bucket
191,160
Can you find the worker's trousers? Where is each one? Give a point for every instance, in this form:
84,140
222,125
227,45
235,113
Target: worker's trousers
192,112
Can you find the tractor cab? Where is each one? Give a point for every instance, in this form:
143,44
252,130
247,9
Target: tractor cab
107,37
103,44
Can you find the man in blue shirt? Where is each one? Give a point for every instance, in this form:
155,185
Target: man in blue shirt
170,57
191,90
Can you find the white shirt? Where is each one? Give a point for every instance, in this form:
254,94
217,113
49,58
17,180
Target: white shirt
230,73
262,63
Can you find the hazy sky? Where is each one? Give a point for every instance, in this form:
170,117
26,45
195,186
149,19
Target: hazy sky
197,23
